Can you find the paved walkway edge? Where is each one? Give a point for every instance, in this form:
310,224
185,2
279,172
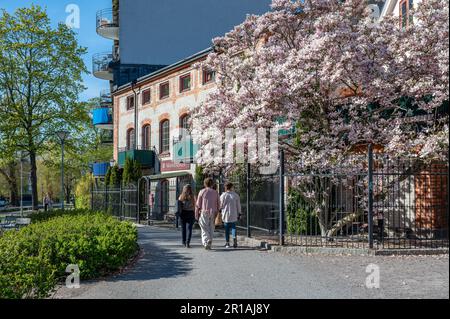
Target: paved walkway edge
298,250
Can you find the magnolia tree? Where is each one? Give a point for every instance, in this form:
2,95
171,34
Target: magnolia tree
344,79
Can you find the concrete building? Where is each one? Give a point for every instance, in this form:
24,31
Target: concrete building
166,31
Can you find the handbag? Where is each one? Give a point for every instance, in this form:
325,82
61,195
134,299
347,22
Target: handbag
219,221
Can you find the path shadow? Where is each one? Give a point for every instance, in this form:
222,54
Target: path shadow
232,250
157,261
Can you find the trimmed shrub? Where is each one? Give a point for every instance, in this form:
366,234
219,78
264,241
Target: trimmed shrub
34,259
44,216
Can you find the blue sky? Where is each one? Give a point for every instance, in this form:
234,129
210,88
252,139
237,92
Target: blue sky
86,34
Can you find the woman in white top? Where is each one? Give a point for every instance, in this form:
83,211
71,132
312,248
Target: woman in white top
230,204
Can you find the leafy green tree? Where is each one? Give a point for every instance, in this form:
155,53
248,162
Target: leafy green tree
115,178
8,166
108,176
40,79
9,171
83,147
83,192
132,171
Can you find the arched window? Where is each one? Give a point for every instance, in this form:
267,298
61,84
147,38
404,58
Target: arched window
184,124
130,139
164,133
146,137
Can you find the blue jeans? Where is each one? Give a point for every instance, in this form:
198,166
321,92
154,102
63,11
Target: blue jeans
229,226
186,229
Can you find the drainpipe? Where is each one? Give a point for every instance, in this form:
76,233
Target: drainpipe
136,129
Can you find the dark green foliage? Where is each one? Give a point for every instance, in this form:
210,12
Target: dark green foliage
108,176
44,216
34,259
132,171
199,178
300,216
115,178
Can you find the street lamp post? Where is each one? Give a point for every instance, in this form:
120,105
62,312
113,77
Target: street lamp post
63,135
21,184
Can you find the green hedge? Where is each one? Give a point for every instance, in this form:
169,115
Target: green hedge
44,216
301,220
34,259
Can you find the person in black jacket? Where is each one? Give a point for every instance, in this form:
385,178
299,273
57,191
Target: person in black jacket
186,209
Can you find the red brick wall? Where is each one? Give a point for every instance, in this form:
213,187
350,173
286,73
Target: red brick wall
431,191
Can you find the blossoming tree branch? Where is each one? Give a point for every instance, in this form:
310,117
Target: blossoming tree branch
344,79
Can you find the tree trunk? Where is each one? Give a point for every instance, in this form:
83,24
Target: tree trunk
11,178
33,177
323,205
12,182
68,190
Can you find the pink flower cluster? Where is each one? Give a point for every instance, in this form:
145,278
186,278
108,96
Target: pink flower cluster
343,80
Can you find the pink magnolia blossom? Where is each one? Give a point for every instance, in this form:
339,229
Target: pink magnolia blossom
325,66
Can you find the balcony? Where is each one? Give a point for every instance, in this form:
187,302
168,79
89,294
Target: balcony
145,157
105,98
107,24
107,137
100,169
102,118
101,66
184,150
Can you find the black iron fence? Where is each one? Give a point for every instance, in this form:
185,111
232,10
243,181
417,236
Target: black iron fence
372,202
120,202
151,200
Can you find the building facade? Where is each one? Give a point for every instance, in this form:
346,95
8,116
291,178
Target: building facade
156,134
148,35
151,95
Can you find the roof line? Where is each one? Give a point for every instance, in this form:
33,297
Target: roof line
167,68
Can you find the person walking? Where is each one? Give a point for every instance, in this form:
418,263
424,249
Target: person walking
186,209
230,204
206,210
46,202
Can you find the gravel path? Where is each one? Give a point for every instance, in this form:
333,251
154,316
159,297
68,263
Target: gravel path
168,270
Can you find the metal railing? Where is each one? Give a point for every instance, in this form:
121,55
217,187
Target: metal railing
101,62
120,202
376,202
105,19
389,204
105,98
134,148
107,137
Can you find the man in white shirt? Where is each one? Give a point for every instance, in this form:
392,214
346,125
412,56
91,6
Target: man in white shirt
230,204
